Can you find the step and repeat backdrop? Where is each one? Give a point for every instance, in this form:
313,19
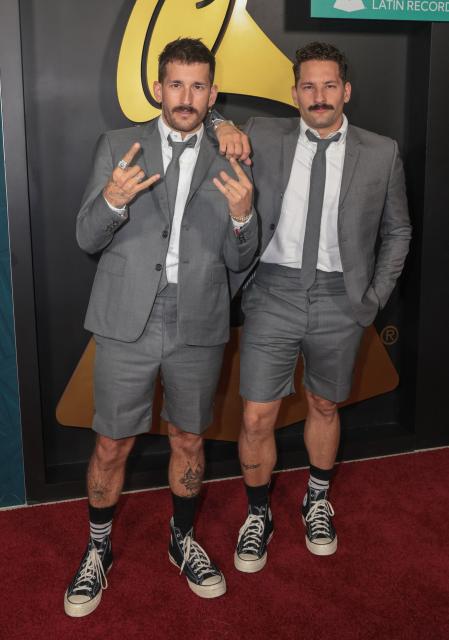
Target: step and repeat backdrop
89,67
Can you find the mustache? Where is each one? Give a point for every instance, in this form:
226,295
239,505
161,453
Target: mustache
184,107
321,105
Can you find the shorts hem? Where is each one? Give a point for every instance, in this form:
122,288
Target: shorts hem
325,389
196,429
118,435
279,396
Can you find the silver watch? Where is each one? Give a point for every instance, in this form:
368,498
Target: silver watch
214,122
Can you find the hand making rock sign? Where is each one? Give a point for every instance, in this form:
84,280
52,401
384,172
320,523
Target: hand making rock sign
239,193
126,181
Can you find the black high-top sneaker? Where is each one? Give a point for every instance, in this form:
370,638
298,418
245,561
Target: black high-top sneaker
255,534
317,513
84,592
203,577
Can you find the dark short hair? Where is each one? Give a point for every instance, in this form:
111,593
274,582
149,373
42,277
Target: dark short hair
186,51
320,51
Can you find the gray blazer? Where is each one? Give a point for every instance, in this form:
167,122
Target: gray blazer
134,250
373,205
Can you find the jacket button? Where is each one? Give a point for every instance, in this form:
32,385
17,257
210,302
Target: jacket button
272,226
158,267
165,233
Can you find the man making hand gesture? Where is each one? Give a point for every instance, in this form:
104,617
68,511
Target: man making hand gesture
160,303
335,233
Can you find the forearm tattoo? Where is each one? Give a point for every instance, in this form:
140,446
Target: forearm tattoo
192,479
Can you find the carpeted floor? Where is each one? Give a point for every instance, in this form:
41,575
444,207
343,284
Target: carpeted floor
389,578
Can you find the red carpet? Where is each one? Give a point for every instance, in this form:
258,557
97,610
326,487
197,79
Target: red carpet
389,578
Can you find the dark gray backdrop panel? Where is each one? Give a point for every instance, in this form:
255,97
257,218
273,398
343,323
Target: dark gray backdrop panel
69,66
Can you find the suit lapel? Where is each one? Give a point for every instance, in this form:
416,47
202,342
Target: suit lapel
206,156
152,151
352,153
289,143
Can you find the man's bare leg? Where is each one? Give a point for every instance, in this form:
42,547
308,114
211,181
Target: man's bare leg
106,472
185,475
257,450
321,437
321,431
186,466
105,477
257,445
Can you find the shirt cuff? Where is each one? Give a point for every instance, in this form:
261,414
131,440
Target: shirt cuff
122,211
239,225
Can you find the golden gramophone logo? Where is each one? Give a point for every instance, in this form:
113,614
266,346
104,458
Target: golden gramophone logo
248,63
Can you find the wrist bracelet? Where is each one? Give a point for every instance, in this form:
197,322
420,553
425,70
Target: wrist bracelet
242,219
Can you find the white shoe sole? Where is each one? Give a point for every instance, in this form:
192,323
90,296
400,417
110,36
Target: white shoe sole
251,566
208,591
320,549
75,610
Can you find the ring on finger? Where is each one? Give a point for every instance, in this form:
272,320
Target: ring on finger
122,164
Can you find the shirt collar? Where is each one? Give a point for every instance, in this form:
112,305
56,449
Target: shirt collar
343,130
165,131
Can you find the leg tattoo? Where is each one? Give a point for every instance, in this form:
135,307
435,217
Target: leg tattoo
192,479
98,492
249,467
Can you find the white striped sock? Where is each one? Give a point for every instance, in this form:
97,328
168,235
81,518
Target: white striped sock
317,484
98,532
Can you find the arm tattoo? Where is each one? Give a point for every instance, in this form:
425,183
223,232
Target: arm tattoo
192,479
249,467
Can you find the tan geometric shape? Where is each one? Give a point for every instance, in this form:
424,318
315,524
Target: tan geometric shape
374,374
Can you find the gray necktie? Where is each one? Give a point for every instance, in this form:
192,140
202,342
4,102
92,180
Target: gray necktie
172,173
171,183
315,209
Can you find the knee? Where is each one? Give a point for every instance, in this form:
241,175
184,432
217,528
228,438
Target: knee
257,426
111,452
189,445
324,408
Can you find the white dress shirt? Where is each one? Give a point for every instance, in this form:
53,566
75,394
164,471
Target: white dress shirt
187,164
286,245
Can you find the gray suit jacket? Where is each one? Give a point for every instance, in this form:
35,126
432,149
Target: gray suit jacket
372,206
134,250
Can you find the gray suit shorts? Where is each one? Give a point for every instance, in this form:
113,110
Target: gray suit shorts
126,372
282,320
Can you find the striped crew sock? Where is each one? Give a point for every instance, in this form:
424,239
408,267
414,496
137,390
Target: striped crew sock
318,481
100,523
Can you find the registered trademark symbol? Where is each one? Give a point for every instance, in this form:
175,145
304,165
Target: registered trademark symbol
389,335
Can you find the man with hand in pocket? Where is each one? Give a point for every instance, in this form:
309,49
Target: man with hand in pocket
335,233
